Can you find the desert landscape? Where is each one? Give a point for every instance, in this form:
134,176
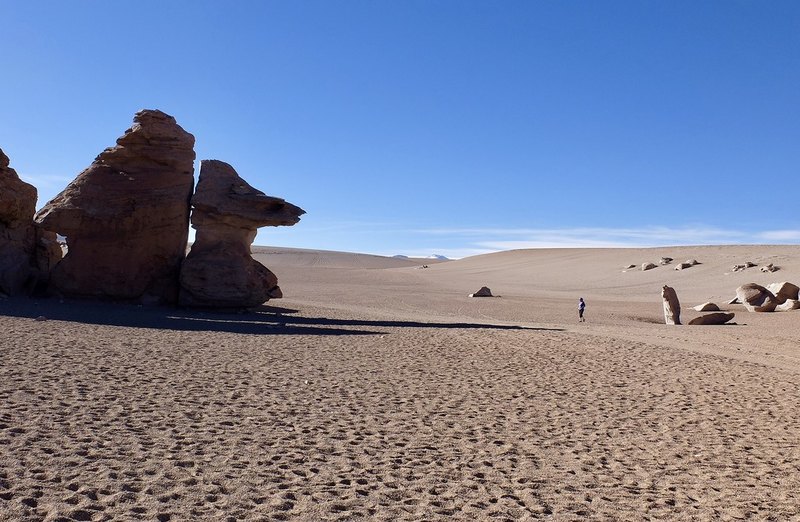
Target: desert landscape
377,390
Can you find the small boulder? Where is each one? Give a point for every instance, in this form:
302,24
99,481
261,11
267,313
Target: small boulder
648,266
735,300
692,262
769,268
665,260
707,307
683,266
712,319
672,307
783,291
629,267
756,298
483,292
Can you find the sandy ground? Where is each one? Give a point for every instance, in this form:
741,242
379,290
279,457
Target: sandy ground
376,390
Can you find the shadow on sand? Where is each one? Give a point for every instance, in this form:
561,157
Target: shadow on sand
270,320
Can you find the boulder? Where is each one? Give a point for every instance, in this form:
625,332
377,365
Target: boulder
692,262
769,268
712,319
735,300
219,271
665,260
629,267
683,266
17,232
126,217
789,304
483,292
707,307
783,291
672,307
756,298
648,266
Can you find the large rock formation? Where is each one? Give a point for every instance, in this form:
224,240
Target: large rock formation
219,271
126,217
17,233
672,307
756,298
784,291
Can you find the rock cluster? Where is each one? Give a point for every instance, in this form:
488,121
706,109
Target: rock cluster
126,222
219,270
777,297
17,233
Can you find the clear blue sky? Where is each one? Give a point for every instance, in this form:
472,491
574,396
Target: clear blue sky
448,127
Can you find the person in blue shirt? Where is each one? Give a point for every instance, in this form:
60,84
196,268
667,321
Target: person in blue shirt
581,308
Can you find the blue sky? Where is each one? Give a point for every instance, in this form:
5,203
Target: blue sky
448,127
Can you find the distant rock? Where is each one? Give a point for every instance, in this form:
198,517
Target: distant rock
707,307
17,232
672,307
692,262
665,260
712,319
483,292
648,266
756,298
789,304
629,267
126,217
219,271
784,291
683,266
745,266
769,268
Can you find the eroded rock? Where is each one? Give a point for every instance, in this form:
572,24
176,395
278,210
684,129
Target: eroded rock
707,307
672,307
219,271
756,298
17,232
126,217
712,319
784,291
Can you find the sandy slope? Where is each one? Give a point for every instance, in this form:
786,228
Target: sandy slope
377,390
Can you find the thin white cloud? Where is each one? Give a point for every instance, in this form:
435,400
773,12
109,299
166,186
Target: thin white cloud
780,235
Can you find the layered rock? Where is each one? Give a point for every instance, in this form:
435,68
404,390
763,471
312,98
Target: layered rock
672,307
756,298
716,318
219,271
17,232
126,217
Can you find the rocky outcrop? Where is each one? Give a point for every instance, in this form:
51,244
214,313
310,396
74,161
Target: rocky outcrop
707,307
672,307
483,292
126,217
712,319
784,291
17,233
219,271
756,298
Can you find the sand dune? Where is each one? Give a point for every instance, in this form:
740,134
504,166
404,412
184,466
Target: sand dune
376,390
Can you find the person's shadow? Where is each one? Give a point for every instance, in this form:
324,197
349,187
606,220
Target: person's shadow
264,320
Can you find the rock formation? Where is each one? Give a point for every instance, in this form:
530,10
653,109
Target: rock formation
219,271
789,304
784,291
712,319
17,233
672,307
707,307
483,292
126,217
756,298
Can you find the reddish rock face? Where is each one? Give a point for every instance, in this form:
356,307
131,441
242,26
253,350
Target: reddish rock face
219,271
126,217
17,233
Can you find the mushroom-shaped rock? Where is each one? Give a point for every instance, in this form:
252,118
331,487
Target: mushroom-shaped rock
756,298
789,304
219,271
784,291
648,266
712,319
126,217
483,292
707,307
672,307
17,233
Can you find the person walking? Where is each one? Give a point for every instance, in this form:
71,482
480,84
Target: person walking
581,308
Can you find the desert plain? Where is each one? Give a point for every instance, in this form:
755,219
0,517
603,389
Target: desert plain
377,390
